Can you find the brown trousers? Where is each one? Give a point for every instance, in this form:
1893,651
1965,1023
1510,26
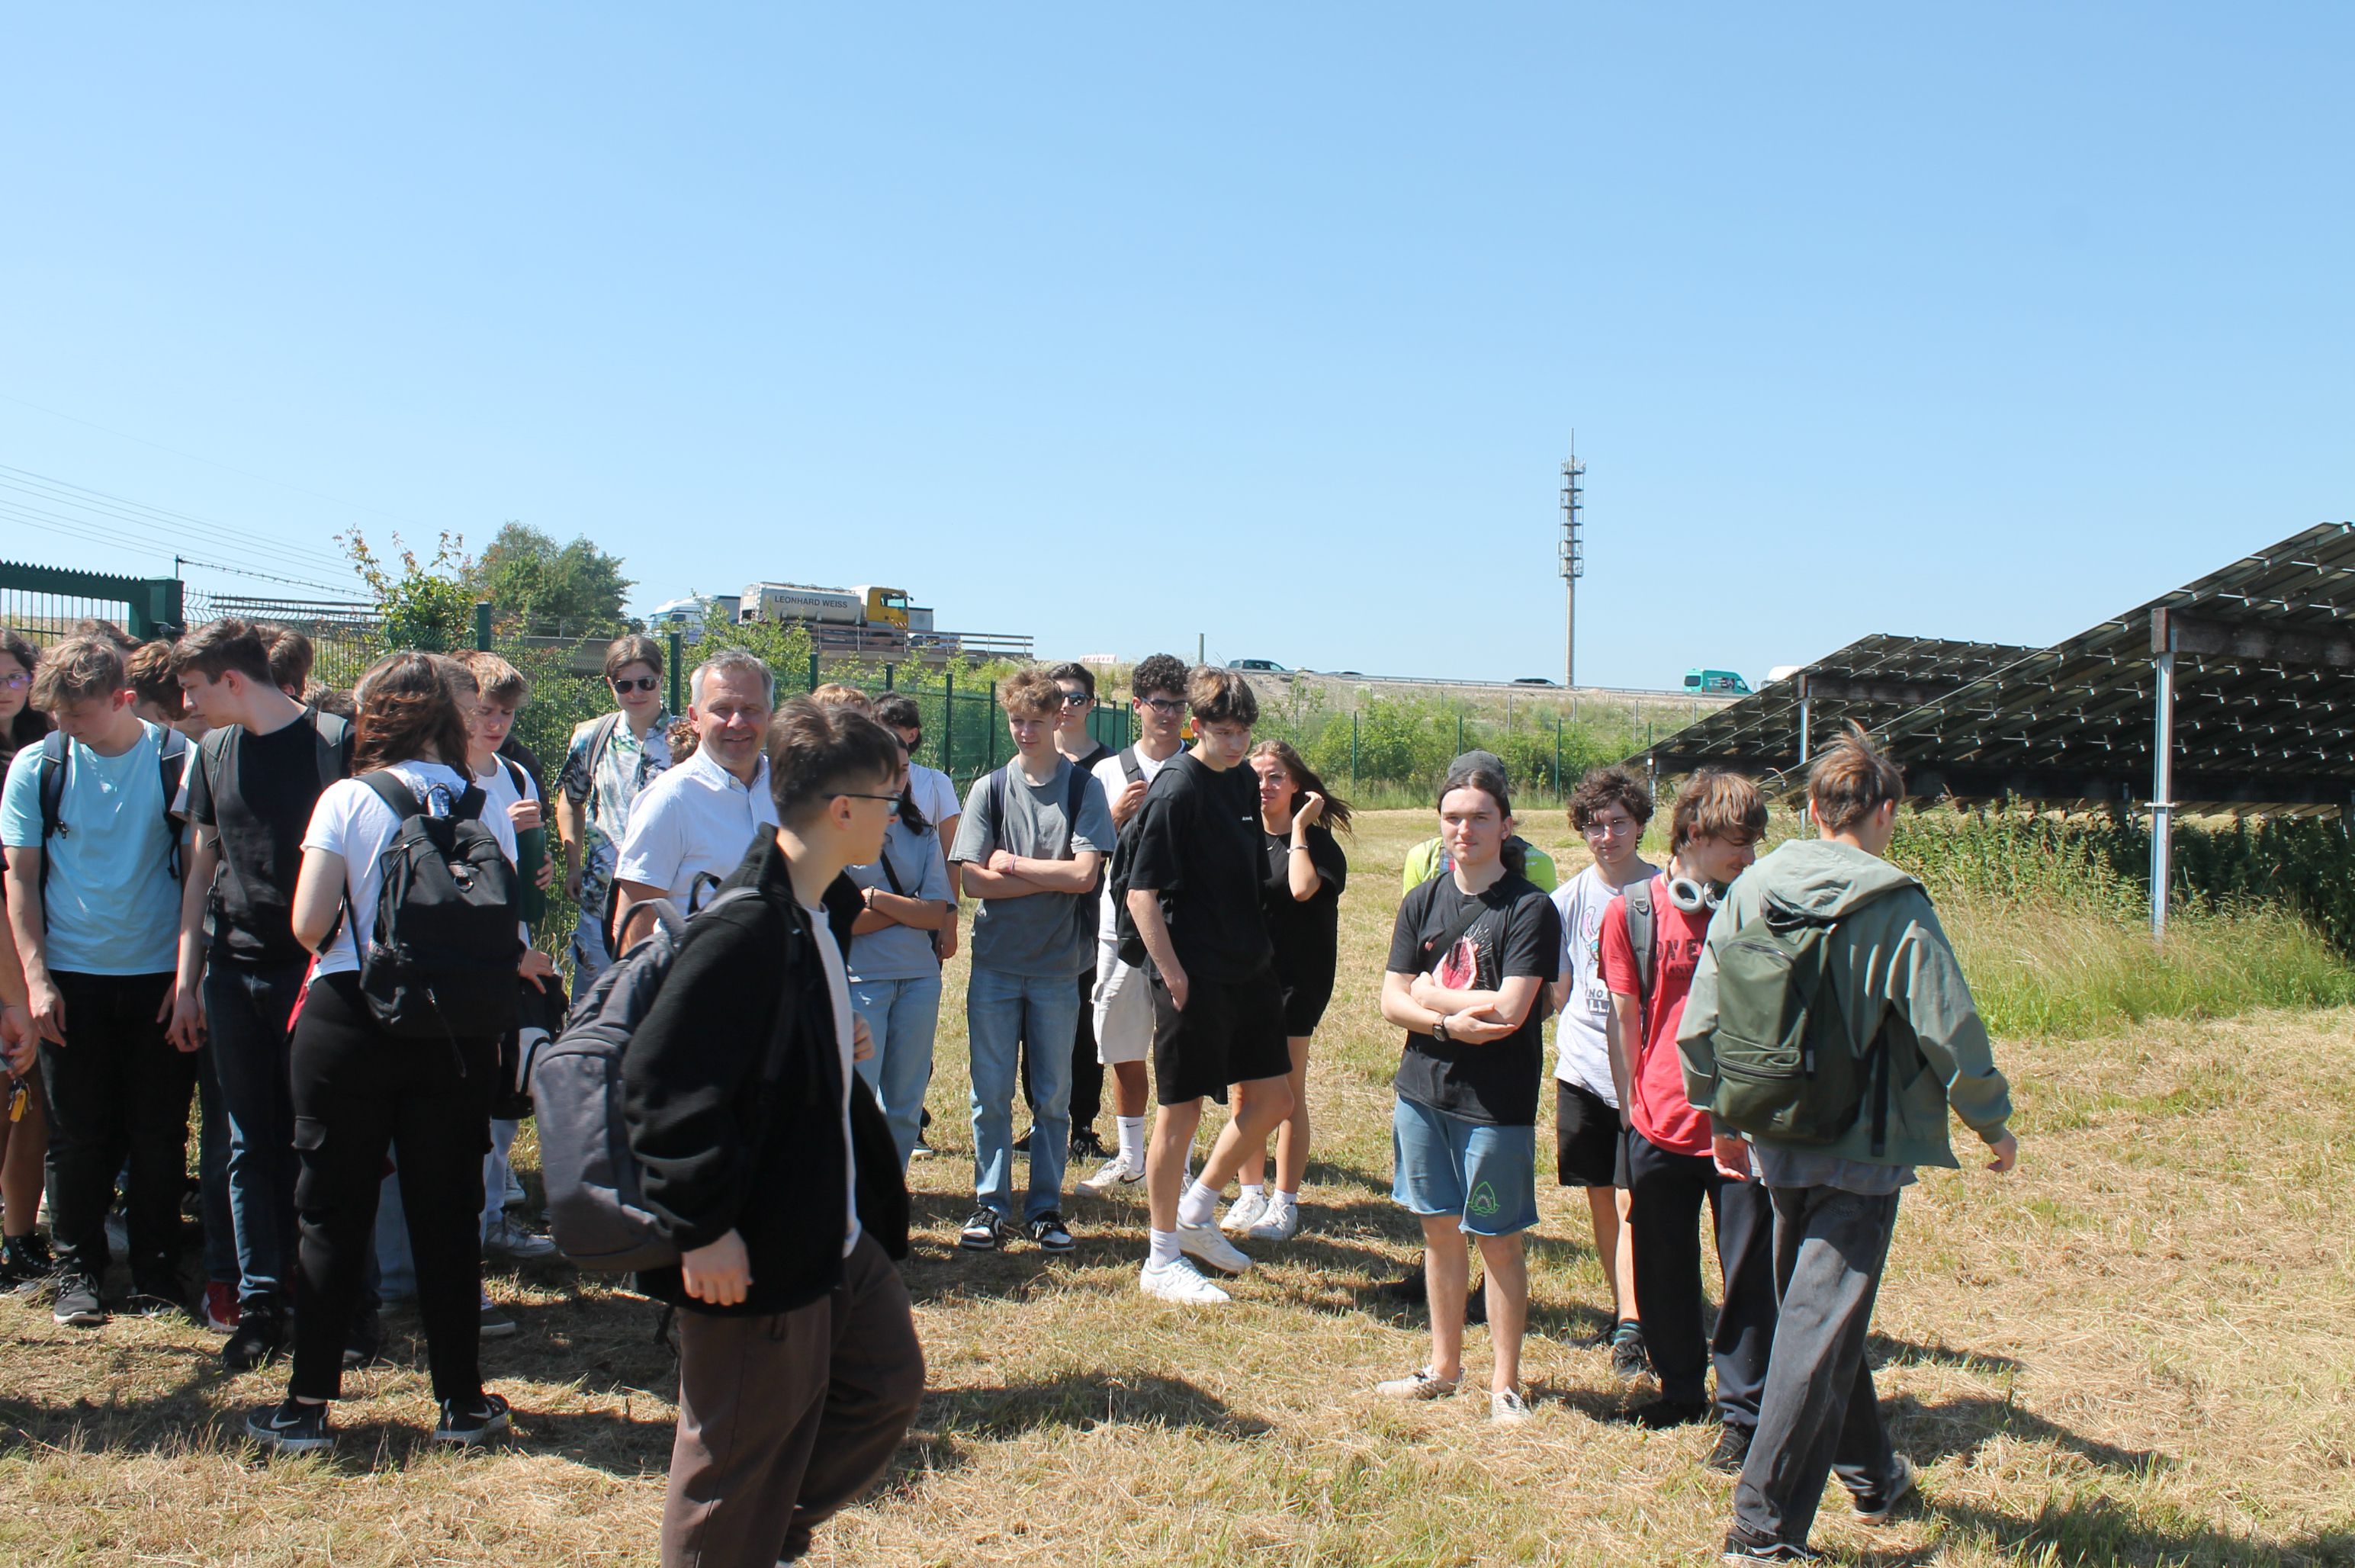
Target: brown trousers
785,1419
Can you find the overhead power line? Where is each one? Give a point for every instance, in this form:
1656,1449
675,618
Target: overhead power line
63,492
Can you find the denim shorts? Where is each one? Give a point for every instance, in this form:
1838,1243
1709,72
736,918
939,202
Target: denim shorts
1446,1164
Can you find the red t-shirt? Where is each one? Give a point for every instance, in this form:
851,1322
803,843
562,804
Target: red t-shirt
1656,1102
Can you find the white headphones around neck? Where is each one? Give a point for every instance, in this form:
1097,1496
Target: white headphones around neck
1693,897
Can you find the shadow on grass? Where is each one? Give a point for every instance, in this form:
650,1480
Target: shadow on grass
2096,1529
1957,1428
953,1421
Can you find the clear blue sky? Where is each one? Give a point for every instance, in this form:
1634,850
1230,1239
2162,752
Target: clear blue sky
1117,326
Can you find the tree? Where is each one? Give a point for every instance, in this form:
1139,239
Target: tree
536,585
426,604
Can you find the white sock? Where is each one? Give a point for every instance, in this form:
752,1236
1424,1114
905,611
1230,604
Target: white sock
1132,1140
1290,1198
1163,1245
1198,1204
1249,1190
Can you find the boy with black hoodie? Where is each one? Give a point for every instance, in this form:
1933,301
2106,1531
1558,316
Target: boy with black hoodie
1901,997
768,1162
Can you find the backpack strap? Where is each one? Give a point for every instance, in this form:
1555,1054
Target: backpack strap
601,741
172,764
998,805
334,733
56,757
891,876
1638,896
1075,793
1130,768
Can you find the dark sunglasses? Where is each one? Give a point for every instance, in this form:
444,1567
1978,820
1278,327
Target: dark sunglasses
1076,699
643,683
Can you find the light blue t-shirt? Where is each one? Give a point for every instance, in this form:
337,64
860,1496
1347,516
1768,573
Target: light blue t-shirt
112,905
901,952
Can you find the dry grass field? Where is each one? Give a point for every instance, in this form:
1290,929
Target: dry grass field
2134,1350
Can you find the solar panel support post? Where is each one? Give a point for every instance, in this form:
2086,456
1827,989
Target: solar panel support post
1805,697
2162,784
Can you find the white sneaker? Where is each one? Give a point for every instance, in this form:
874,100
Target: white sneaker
1115,1174
1506,1407
1180,1282
1244,1212
1205,1243
512,1238
1421,1385
1280,1224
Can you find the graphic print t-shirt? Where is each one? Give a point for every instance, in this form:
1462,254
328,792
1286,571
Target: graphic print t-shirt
1660,1111
1517,932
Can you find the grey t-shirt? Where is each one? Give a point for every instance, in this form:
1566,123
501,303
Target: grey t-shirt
1780,1166
1042,936
901,952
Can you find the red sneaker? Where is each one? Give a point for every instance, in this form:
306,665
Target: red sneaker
222,1313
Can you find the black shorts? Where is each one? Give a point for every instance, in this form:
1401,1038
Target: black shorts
1303,1008
1590,1148
1231,1031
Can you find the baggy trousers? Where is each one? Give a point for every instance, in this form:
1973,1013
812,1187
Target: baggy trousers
117,1091
1819,1413
784,1418
1666,1191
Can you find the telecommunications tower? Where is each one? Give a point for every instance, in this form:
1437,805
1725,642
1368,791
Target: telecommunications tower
1573,556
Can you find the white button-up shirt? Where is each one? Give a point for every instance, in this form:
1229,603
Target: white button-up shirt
694,819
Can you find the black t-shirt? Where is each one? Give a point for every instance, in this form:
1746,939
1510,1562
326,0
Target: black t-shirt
259,804
1518,933
1198,846
1305,932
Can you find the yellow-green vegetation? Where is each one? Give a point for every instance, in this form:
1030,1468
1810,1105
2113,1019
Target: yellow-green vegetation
2134,1350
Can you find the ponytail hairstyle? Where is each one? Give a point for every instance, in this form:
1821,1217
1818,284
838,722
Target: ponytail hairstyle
1482,771
1303,778
408,713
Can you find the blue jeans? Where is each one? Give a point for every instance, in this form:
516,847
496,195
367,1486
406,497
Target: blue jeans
246,1011
1001,1011
902,1016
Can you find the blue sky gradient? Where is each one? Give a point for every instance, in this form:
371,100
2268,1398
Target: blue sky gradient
1268,323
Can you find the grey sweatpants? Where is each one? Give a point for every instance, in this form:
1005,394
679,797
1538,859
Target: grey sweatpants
1818,1414
786,1418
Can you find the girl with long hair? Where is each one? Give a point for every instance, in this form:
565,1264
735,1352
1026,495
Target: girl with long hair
895,964
360,1089
1300,894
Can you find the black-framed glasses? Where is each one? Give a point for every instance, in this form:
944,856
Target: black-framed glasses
855,794
639,683
1076,699
1165,705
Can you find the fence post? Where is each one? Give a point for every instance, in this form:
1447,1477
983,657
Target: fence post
948,719
812,680
678,676
1353,751
1459,731
483,626
887,677
989,730
1557,756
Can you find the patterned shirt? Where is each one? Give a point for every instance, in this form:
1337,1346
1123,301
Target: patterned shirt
625,767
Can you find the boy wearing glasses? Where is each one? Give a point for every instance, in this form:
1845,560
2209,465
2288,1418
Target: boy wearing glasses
611,758
1029,845
1609,810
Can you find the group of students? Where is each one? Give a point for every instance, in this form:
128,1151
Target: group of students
1164,910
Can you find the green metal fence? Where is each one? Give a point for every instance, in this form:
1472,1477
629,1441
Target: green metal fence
44,601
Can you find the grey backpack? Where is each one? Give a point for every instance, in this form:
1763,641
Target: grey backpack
596,1204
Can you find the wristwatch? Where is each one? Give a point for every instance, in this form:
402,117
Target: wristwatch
1439,1030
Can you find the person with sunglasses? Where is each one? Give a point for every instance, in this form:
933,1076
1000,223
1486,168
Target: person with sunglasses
611,758
1609,809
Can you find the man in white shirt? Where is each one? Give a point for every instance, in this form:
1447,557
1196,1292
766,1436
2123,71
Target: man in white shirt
697,818
1610,809
1122,1003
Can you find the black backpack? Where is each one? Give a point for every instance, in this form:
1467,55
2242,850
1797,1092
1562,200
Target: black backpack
1129,946
172,759
442,960
217,755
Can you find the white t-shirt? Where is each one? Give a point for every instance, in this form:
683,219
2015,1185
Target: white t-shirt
838,985
936,796
352,822
500,791
695,818
1114,779
1583,1038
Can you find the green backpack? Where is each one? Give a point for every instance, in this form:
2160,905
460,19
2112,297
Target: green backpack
1786,1070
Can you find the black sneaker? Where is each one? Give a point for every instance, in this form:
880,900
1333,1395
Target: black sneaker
24,1262
1768,1554
290,1426
1086,1145
472,1421
984,1231
77,1301
1732,1448
1047,1231
364,1340
155,1299
260,1336
1663,1413
1630,1360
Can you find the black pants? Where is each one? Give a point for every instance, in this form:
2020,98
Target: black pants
1087,1072
358,1091
117,1091
1665,1194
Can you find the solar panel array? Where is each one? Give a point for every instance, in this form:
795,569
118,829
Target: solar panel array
2264,714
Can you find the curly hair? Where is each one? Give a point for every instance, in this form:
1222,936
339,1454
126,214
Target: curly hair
1715,805
408,713
1029,693
1157,672
1609,786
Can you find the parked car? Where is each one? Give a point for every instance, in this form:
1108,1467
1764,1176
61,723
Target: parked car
1534,680
1716,680
1258,667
